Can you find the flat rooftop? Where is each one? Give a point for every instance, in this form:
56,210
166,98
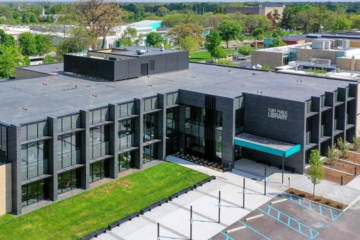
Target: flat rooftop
27,100
131,51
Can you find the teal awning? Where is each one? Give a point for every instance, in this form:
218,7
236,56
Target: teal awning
267,145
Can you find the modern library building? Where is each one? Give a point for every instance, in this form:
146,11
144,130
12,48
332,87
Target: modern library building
65,126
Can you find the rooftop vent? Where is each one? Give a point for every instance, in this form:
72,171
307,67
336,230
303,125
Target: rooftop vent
140,51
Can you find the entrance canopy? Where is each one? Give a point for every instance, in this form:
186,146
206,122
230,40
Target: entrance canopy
267,145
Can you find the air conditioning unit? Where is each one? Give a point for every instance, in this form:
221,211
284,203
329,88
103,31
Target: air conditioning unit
342,43
140,51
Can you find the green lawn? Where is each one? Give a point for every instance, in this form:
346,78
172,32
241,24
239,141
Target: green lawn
198,56
94,209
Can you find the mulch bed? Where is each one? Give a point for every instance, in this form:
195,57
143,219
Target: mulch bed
309,196
352,157
344,166
335,176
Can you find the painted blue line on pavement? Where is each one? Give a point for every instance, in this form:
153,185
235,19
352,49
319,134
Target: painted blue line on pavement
227,236
299,229
254,230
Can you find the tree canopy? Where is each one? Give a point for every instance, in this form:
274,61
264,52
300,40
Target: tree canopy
229,30
28,44
154,38
213,40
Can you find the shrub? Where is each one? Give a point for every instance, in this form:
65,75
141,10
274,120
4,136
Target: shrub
339,206
292,192
328,202
301,195
226,63
318,199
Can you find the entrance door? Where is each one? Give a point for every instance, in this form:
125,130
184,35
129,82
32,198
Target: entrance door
144,69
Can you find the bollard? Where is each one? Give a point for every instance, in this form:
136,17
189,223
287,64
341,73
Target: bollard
341,180
289,181
158,231
355,171
244,194
190,222
265,183
219,206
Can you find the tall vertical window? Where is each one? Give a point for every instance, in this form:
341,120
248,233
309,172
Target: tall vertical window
68,149
99,141
33,193
98,116
34,130
97,171
172,99
172,120
126,109
150,104
34,159
126,134
68,123
150,152
3,143
125,161
150,126
67,181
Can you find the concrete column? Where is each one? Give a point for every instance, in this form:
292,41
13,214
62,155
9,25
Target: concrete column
85,149
114,140
14,138
139,132
53,181
329,122
162,126
316,131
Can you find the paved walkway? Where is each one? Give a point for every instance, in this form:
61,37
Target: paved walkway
174,217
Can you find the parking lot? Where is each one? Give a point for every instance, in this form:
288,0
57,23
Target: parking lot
282,218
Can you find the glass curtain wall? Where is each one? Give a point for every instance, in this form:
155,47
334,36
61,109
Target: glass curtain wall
172,130
34,130
98,171
150,152
34,192
68,181
125,161
68,147
126,134
34,159
68,123
99,141
3,143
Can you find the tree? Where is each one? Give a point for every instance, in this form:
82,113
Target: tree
48,59
43,44
218,52
245,50
229,30
316,171
356,143
277,42
332,154
28,44
69,45
343,147
162,11
213,40
128,37
189,43
6,39
276,15
257,33
154,38
342,24
97,17
186,29
10,59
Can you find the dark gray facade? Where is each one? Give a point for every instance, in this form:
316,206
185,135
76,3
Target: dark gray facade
56,152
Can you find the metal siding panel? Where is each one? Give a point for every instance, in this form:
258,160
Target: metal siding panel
146,59
121,70
183,60
160,63
134,68
171,62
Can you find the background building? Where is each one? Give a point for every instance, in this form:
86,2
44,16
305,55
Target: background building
262,9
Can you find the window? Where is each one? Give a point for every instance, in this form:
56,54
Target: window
34,159
150,104
126,109
97,171
34,130
125,161
68,181
336,96
172,99
150,126
172,120
239,120
309,106
99,141
150,152
323,100
98,116
3,143
33,193
68,123
68,147
239,102
126,134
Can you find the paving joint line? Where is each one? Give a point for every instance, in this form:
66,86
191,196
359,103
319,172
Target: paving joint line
222,200
240,186
340,171
114,235
164,227
197,213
